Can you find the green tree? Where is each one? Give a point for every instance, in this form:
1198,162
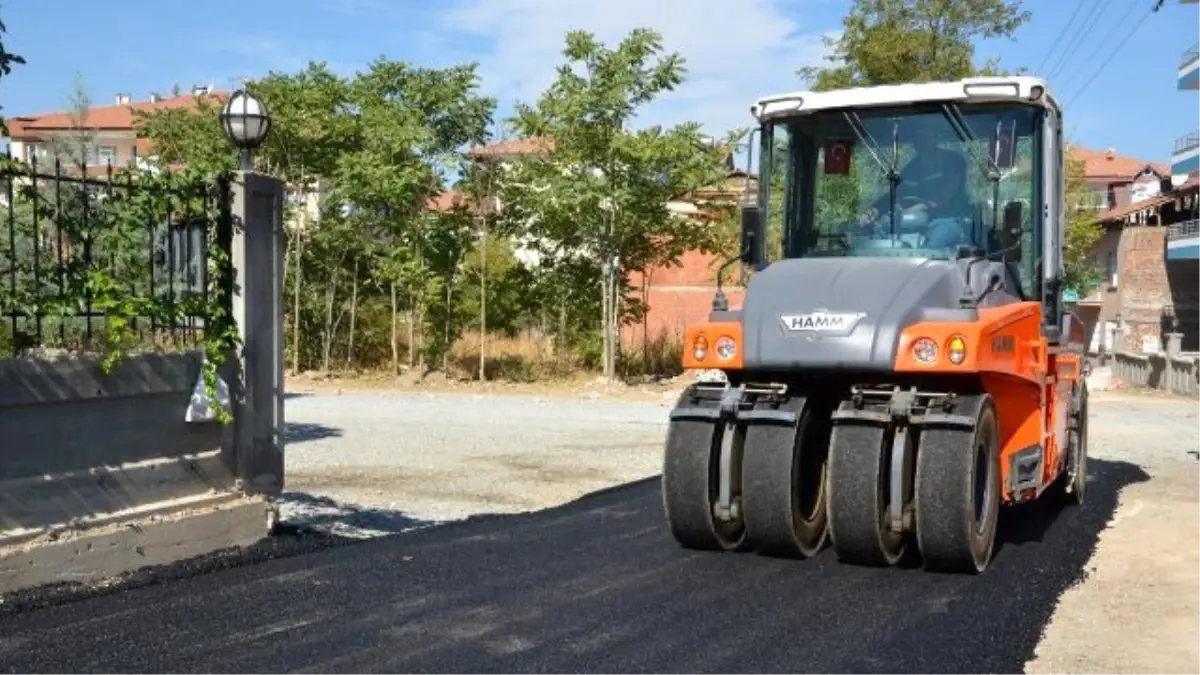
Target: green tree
602,190
896,41
412,124
1082,230
7,61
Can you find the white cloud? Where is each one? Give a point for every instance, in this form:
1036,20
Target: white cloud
734,51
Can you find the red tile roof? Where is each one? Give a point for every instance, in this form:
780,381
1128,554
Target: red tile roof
1107,163
511,147
119,117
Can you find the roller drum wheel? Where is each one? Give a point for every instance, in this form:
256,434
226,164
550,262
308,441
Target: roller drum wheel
859,469
690,484
1077,450
783,478
957,493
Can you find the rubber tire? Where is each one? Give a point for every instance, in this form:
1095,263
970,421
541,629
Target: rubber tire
859,468
1078,451
775,466
948,536
689,485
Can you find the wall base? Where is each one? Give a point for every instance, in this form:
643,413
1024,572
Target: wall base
92,556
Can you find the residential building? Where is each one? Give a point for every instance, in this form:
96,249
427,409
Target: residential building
1142,290
111,139
108,131
1183,241
1116,180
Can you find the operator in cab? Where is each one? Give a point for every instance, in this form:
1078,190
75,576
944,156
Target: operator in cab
932,189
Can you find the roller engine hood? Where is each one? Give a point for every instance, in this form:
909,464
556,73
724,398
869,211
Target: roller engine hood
848,313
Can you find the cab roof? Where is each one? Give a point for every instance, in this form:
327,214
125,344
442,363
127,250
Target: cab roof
1019,89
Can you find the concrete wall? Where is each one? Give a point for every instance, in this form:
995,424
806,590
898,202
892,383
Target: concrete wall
1177,374
102,473
679,296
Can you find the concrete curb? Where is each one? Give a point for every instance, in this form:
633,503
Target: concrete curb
92,556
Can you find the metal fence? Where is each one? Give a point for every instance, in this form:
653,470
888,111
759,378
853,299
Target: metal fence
90,256
1188,142
1190,55
1188,228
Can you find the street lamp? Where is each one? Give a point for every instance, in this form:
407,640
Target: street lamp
246,122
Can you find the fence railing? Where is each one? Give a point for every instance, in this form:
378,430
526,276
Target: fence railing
1185,143
1184,230
1190,55
86,259
1178,374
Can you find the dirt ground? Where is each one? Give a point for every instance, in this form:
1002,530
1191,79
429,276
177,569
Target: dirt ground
1138,610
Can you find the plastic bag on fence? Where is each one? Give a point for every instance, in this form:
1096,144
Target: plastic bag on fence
200,408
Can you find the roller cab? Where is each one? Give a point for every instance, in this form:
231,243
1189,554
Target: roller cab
902,366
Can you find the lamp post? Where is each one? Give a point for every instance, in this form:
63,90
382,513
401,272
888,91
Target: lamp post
246,123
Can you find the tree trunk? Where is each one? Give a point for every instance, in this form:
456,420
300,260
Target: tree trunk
353,315
395,332
327,338
446,323
420,334
412,333
483,305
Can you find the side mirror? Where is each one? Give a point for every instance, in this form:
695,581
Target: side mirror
1010,232
752,244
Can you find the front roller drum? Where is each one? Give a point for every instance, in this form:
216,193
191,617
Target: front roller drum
783,478
957,493
860,470
691,483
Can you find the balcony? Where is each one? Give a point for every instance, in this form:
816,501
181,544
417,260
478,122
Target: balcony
1189,68
1185,158
1183,240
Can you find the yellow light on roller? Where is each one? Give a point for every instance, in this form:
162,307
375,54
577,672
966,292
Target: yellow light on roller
956,349
700,347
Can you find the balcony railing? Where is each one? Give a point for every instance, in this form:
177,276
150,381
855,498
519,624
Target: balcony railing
1184,230
1189,142
1190,55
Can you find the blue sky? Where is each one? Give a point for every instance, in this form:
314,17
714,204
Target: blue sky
736,49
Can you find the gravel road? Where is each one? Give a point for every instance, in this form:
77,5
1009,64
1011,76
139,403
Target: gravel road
597,585
392,461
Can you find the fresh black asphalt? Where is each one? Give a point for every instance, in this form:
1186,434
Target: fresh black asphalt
593,586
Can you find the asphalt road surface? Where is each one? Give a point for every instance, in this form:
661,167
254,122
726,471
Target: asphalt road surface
596,585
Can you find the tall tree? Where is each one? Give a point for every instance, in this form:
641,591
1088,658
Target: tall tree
7,61
601,190
1083,232
895,41
413,122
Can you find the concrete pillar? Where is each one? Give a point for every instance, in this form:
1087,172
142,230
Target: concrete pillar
256,206
1118,339
1174,344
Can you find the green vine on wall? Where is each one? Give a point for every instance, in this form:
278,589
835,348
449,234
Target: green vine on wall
100,247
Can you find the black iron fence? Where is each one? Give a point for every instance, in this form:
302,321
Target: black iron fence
95,259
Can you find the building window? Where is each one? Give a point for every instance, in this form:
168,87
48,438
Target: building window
1110,267
38,151
106,154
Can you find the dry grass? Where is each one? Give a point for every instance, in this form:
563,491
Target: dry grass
528,357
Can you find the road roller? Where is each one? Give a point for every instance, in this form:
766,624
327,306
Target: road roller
901,366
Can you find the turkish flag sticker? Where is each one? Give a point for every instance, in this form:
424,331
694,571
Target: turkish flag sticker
838,153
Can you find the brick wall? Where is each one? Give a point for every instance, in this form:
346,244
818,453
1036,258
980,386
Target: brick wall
1148,284
1143,286
679,296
